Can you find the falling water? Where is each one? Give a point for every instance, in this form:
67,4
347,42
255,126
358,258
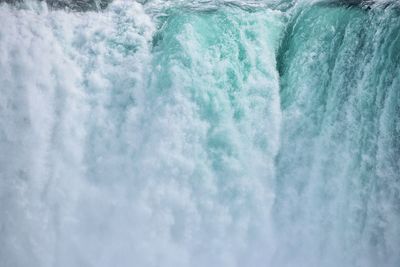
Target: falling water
200,133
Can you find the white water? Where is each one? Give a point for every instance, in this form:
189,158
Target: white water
143,135
105,166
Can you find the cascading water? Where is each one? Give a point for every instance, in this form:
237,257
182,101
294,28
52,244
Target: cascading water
202,133
337,183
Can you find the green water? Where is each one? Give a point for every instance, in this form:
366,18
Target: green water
202,133
338,166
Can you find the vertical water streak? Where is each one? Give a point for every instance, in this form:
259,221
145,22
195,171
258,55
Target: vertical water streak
338,178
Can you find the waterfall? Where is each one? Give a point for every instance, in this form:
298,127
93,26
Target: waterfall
200,133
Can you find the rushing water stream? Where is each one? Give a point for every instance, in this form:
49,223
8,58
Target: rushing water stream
200,134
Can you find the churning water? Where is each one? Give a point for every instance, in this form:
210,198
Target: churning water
200,134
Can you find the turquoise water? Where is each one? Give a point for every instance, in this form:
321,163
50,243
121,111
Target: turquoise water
338,166
203,133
